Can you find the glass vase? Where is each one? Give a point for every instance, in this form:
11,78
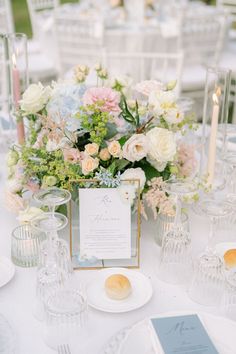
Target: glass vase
19,78
215,114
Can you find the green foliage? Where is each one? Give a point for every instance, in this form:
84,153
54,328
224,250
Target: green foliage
132,118
94,121
40,163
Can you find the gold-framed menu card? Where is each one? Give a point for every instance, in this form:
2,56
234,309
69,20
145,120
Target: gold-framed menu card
105,224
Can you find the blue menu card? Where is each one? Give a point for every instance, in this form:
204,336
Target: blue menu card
183,335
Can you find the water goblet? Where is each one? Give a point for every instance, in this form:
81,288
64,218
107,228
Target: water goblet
208,280
229,299
54,251
52,197
176,262
230,160
66,316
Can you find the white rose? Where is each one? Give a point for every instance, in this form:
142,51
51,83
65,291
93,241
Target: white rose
14,185
161,102
89,164
114,149
27,215
147,86
92,149
52,145
135,173
35,98
174,116
161,145
135,148
127,193
159,166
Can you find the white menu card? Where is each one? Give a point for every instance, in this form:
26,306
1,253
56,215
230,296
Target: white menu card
105,224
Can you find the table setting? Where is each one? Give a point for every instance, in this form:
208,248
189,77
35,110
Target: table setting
118,216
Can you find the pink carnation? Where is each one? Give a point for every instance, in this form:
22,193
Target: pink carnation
104,96
71,155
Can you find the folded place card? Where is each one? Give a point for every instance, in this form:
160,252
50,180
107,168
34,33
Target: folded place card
105,224
183,335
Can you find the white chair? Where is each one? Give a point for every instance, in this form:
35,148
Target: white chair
6,20
40,12
230,6
228,60
202,36
163,67
7,24
79,40
41,67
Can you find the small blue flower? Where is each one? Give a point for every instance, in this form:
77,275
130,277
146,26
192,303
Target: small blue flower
105,177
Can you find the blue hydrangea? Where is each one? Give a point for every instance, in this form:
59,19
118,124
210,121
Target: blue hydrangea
65,103
105,177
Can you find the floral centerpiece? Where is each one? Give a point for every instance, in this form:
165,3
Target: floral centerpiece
111,131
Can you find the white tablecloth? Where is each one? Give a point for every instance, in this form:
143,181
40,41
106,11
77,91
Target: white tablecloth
17,297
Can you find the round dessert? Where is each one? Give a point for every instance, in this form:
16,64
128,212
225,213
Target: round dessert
230,258
118,287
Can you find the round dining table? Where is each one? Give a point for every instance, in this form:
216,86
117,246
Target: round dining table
17,298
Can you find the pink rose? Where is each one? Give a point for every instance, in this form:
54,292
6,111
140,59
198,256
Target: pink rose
104,96
71,155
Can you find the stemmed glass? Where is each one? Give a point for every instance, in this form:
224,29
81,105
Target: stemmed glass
53,197
207,283
176,262
54,250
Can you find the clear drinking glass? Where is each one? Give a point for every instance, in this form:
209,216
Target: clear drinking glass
66,316
176,262
229,302
208,280
25,245
165,223
230,159
50,278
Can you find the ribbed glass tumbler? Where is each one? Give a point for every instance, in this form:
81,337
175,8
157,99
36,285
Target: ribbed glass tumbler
25,245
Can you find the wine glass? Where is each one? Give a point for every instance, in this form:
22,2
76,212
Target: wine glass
53,197
54,250
208,281
66,317
176,262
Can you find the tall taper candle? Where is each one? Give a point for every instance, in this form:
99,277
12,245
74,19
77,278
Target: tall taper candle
16,96
213,136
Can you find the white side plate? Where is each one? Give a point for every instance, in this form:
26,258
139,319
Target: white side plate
141,291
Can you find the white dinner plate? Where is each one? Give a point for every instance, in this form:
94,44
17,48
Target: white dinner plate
223,247
139,338
7,270
141,291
